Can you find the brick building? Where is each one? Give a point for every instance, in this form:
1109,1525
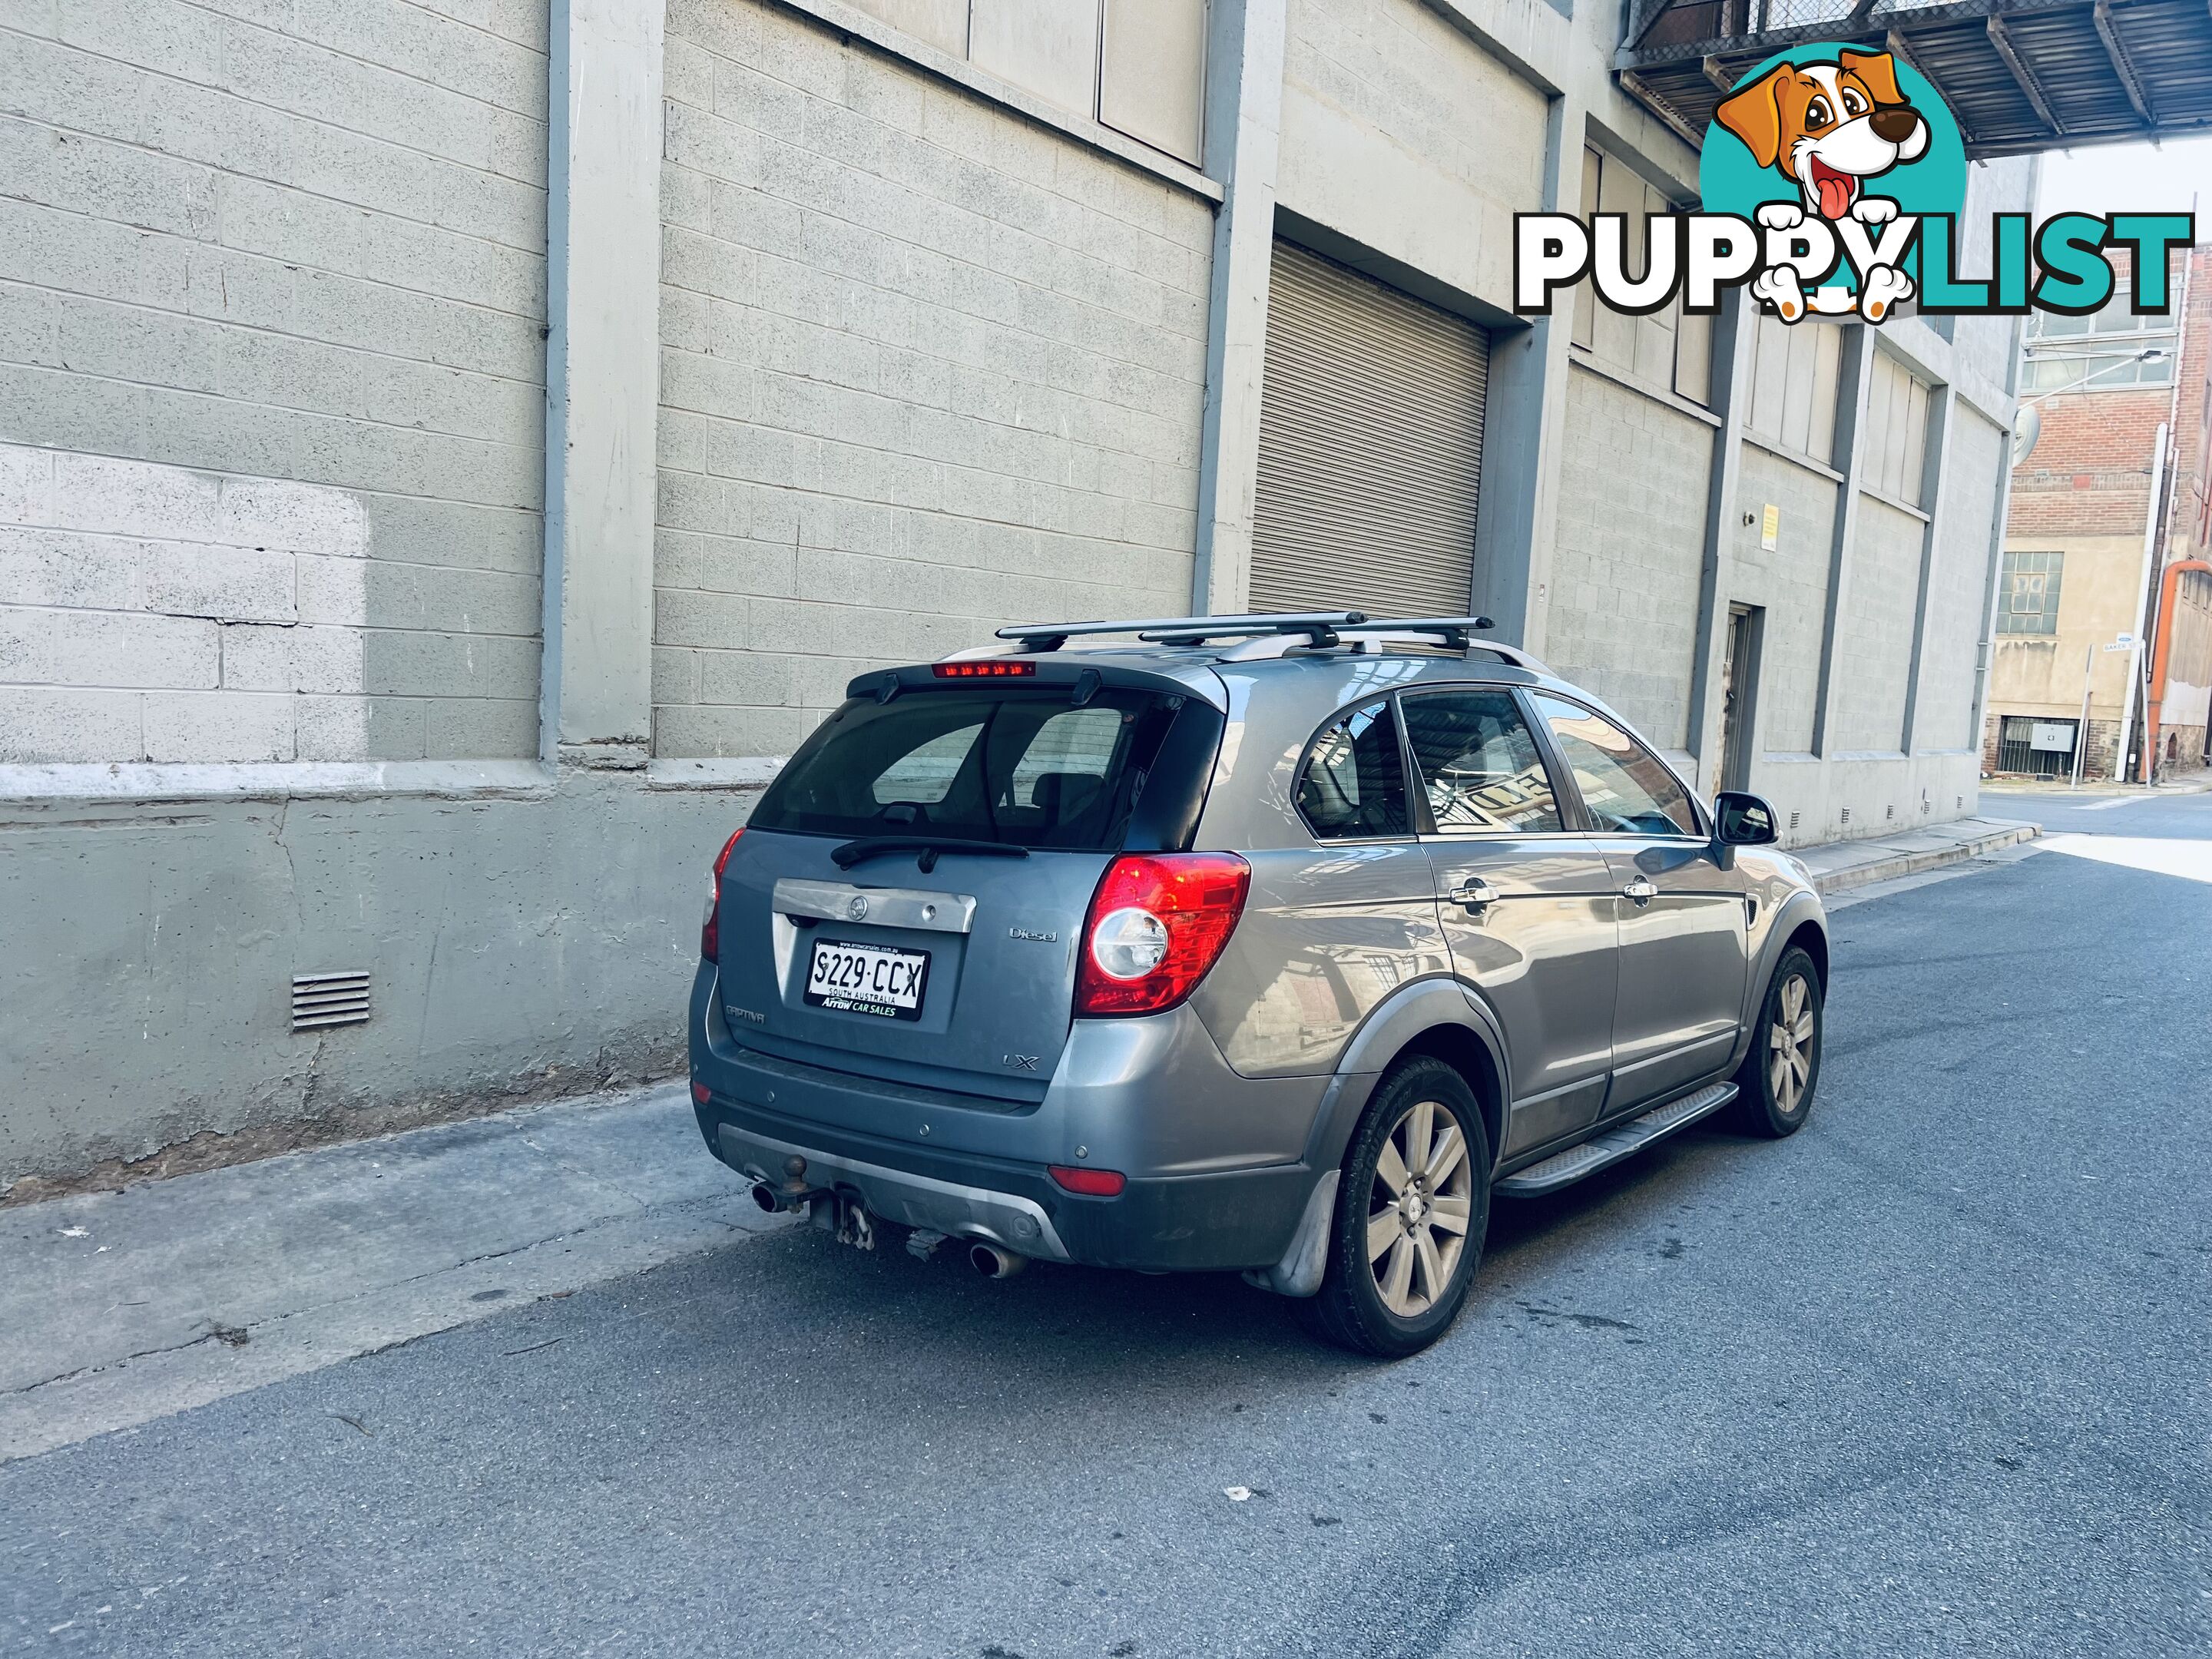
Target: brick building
2087,555
437,484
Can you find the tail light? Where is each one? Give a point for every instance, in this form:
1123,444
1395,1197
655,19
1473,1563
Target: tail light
710,930
1156,923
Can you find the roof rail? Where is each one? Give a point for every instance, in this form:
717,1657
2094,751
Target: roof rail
1320,627
1452,631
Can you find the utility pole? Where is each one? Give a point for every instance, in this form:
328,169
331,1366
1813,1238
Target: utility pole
2142,602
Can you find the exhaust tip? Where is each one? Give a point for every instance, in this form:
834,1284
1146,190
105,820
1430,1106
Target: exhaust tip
993,1262
767,1197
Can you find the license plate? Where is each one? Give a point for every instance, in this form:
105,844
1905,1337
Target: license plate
866,979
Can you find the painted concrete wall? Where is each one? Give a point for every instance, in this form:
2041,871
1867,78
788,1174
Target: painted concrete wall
1624,603
2042,674
522,937
927,369
273,245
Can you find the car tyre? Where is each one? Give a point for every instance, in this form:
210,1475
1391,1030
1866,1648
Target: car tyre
1411,1212
1776,1082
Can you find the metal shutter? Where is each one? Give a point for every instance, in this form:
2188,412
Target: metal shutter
1371,446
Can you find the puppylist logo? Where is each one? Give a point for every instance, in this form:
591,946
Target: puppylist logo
1834,180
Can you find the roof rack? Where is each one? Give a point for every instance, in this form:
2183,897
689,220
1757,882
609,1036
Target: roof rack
1319,627
1272,634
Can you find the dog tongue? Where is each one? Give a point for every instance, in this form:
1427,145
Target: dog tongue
1835,194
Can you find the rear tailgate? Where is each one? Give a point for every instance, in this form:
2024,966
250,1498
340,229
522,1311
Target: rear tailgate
961,979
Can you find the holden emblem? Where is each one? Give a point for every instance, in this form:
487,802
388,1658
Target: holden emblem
856,907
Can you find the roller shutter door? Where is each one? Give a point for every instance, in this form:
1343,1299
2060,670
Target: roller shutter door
1371,446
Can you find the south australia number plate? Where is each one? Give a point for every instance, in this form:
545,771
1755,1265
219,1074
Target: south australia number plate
866,979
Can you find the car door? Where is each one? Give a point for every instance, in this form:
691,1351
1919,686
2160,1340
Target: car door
1526,903
1684,927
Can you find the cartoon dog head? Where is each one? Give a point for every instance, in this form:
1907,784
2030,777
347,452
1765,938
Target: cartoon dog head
1826,127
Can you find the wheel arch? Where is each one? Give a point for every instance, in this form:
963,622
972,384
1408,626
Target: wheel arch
1812,938
1434,1016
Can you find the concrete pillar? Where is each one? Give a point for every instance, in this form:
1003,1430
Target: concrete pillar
1524,431
1854,385
1734,350
1942,419
602,379
1243,137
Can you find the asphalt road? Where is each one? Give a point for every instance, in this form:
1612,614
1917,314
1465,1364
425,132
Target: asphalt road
1932,1377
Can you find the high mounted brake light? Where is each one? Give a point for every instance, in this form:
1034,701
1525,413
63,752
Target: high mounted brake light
710,931
1156,923
983,668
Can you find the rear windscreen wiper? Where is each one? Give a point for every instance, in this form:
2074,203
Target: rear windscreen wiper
929,847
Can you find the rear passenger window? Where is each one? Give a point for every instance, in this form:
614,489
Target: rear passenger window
1478,764
1354,783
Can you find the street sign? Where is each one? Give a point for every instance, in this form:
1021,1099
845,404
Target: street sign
2056,736
1770,528
2125,642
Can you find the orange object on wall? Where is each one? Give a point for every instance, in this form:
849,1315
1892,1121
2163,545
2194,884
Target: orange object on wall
2161,651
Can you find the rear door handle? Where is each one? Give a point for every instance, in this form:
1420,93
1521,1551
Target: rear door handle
1474,893
1641,890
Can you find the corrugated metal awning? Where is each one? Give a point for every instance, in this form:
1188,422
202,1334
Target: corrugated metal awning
2020,75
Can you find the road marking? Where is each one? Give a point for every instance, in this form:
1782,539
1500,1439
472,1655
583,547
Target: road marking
2117,800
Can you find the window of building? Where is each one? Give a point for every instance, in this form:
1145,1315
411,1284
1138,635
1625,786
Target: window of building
1670,347
1793,384
2027,593
1896,436
2101,352
1137,65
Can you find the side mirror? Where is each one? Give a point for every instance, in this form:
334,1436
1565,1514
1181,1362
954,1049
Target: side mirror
1744,820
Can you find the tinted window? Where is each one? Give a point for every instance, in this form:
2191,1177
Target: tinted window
1626,789
1006,764
1478,764
1355,778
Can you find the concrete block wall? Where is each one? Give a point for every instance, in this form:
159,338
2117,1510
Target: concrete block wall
927,366
1379,145
1791,583
252,247
1623,618
155,613
1873,646
1958,582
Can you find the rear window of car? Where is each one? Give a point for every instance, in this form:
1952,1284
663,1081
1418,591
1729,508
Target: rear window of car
1018,765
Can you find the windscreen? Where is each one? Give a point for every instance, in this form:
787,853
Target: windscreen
1021,765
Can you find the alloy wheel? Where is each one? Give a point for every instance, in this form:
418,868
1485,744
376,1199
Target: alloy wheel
1417,1208
1790,1045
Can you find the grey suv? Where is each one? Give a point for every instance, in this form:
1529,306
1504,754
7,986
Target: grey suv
1274,944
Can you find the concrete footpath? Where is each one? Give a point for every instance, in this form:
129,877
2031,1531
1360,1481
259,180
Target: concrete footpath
119,1308
1843,865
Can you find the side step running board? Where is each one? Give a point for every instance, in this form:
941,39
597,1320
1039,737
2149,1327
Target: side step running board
1565,1169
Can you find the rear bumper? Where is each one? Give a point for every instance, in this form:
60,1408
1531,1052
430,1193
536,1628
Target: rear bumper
981,1173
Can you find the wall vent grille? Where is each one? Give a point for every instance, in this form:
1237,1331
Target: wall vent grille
1890,811
1847,815
321,999
1794,816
